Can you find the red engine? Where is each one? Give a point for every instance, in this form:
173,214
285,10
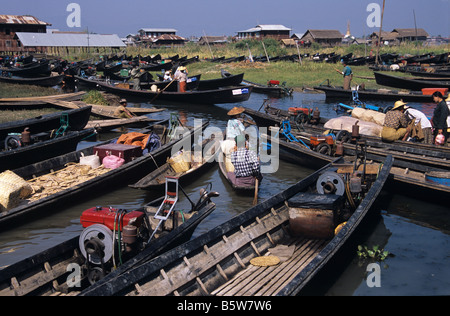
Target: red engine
107,216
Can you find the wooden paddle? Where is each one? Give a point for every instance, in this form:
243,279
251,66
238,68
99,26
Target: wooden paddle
255,198
162,90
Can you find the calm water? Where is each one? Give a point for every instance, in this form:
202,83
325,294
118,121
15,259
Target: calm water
417,233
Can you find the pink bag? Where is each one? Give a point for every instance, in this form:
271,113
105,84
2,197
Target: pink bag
113,162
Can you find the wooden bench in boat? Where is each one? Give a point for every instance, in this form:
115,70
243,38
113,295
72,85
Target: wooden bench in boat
267,281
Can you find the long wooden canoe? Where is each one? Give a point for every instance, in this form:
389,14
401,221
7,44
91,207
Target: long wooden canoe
40,101
77,119
156,179
266,250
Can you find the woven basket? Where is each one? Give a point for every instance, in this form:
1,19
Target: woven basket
11,178
12,190
180,162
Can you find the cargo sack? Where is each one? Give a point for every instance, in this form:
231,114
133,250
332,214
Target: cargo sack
93,161
113,162
346,123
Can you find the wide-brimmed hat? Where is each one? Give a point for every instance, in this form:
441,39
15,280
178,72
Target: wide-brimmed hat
182,68
399,104
236,110
122,101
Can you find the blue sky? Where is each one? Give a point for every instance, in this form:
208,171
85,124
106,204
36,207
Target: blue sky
226,17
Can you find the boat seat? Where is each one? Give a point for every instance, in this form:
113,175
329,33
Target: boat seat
316,201
168,225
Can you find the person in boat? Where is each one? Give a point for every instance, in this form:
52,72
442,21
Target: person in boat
448,117
235,125
246,164
135,76
167,76
396,123
440,115
181,77
348,75
122,111
422,124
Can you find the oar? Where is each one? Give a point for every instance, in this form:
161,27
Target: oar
162,90
255,198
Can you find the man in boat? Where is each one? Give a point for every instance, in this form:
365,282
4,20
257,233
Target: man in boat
348,75
440,115
181,77
246,163
135,76
396,123
122,111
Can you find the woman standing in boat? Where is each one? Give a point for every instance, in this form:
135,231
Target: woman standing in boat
439,119
235,126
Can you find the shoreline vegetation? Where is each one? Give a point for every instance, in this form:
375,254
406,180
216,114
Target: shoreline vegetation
297,75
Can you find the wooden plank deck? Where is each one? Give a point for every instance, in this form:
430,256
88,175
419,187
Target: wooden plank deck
266,281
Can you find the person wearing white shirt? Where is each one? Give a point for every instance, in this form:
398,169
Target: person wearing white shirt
424,123
235,126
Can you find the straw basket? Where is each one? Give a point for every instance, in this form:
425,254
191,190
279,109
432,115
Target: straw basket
12,190
180,162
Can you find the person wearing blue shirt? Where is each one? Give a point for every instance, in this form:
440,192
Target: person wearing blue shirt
348,75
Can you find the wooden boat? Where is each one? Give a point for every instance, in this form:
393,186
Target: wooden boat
39,68
156,179
108,125
26,277
272,116
438,177
123,175
247,190
332,92
77,120
103,110
40,101
439,75
408,175
272,90
409,83
234,257
44,146
192,83
211,84
50,81
218,96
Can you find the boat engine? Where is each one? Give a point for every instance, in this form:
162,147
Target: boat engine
109,237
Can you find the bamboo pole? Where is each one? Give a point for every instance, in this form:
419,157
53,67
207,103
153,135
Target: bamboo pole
379,35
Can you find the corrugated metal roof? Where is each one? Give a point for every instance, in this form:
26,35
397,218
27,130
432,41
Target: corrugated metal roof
69,40
266,27
158,30
20,19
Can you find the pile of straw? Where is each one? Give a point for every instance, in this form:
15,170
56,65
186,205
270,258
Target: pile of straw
60,180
